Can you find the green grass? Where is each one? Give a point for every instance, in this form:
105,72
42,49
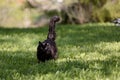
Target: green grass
86,52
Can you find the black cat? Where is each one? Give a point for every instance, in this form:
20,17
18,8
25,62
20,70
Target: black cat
47,49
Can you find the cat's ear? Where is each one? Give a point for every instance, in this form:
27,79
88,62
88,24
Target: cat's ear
40,42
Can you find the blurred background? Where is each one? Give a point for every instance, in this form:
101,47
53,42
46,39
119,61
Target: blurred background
36,13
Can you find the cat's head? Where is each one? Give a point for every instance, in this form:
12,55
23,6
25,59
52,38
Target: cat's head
44,47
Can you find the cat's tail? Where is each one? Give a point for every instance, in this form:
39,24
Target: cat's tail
51,33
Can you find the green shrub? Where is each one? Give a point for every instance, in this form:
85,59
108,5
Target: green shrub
101,15
95,11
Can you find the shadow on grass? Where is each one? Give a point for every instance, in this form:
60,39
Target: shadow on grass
11,31
73,35
85,35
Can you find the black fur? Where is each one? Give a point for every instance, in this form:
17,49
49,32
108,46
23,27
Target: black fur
47,49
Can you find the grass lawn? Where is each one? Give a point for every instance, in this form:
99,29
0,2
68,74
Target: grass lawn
86,52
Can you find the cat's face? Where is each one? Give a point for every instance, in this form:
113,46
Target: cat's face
45,47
